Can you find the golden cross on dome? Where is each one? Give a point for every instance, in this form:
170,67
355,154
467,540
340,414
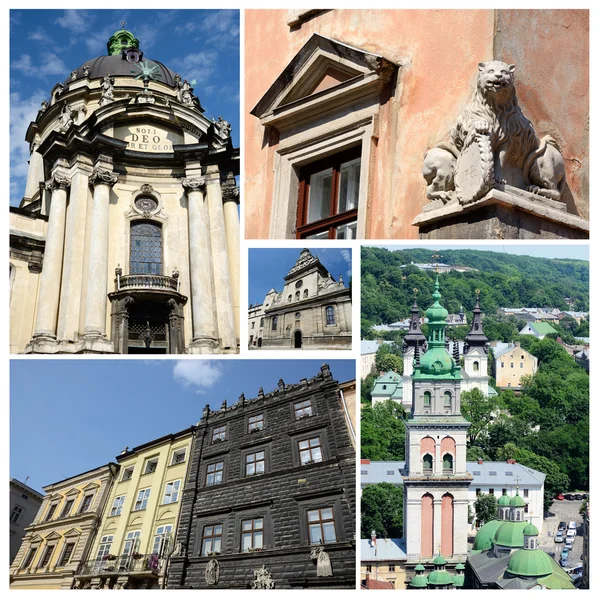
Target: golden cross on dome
435,259
123,24
415,291
477,292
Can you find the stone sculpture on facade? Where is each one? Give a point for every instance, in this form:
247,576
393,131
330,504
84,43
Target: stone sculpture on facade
86,71
211,573
323,561
108,89
223,128
493,143
263,579
66,119
184,93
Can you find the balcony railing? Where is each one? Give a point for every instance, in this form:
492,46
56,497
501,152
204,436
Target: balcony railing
123,564
144,281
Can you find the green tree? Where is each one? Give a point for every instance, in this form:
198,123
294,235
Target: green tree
382,431
477,409
366,386
386,359
382,511
486,508
475,453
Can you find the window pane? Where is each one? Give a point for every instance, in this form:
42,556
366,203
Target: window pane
346,231
217,545
349,179
246,541
327,514
258,540
328,532
247,525
313,515
317,455
315,533
260,467
218,529
319,200
206,547
322,235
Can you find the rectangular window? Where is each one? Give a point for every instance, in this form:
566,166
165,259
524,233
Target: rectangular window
253,323
214,474
211,539
321,527
525,492
85,504
219,433
162,540
66,511
310,450
29,558
151,466
127,473
328,197
255,463
67,553
491,492
16,514
104,548
178,456
252,534
117,506
172,492
501,364
302,409
256,423
330,315
526,508
142,500
512,364
521,365
369,568
391,568
477,492
46,557
132,541
51,511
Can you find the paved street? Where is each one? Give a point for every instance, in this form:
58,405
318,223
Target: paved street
563,511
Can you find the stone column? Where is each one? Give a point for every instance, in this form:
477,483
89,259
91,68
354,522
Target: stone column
120,324
220,260
437,525
48,299
204,333
96,298
35,174
231,198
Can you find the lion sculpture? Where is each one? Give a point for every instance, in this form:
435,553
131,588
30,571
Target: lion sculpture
520,159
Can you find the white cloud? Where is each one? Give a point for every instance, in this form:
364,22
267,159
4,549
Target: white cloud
50,65
198,65
75,20
198,375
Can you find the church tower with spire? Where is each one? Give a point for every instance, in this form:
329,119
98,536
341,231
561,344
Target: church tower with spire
414,343
436,480
476,353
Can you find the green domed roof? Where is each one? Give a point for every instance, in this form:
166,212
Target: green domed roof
439,561
439,577
419,581
531,531
530,563
504,501
517,501
485,535
460,566
419,568
510,534
458,580
437,361
436,312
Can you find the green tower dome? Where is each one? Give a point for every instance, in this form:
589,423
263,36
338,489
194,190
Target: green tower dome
436,313
439,561
439,578
531,531
504,501
531,563
459,577
419,568
121,40
517,501
510,534
484,539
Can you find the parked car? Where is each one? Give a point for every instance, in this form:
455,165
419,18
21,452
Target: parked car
564,557
569,542
559,537
578,496
572,526
568,496
584,495
560,497
562,526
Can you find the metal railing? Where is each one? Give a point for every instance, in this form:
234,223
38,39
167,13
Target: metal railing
122,564
147,282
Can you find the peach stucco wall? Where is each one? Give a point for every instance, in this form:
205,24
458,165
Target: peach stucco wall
447,525
427,525
438,52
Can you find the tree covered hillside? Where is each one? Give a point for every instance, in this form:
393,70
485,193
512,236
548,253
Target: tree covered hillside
505,280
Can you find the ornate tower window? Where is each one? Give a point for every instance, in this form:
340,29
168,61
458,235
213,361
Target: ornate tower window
448,464
145,250
330,315
427,464
427,399
447,399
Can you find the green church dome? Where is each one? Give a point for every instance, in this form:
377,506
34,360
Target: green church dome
439,561
419,581
517,501
530,563
504,501
437,361
531,531
485,535
510,534
439,578
436,312
419,568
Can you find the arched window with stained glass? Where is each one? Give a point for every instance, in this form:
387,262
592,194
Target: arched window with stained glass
145,248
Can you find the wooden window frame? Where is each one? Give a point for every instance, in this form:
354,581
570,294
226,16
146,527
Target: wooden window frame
252,532
212,536
210,482
334,220
320,522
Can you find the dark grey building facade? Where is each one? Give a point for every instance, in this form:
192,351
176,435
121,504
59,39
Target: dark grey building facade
270,499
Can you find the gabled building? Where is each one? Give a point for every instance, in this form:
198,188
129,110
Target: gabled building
24,505
135,537
314,311
126,238
537,329
270,497
60,536
511,363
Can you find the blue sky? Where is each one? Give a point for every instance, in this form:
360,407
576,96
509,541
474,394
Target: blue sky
68,416
574,251
267,267
46,45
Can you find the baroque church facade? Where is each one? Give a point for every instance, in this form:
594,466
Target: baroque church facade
127,237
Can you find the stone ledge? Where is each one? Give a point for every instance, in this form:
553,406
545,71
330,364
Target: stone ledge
505,213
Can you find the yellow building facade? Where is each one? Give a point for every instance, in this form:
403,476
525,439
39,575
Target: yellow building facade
511,363
63,530
135,537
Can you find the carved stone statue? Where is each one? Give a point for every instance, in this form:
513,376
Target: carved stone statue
493,142
211,572
263,579
44,106
86,71
73,74
323,561
184,93
223,128
66,118
179,550
108,93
